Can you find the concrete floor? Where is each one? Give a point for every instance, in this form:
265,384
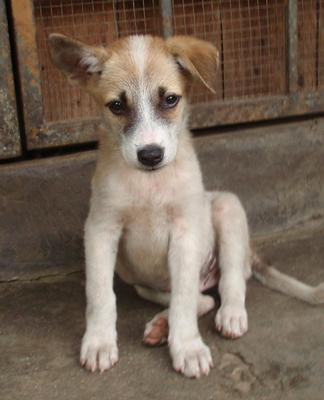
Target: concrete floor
281,357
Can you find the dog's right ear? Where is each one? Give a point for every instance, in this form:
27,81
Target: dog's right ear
80,63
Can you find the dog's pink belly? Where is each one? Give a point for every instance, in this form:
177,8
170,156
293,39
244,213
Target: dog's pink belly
209,276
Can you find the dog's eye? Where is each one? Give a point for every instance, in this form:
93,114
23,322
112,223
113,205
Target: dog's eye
116,107
171,101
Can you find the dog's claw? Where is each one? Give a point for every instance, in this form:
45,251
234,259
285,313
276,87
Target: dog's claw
231,321
191,357
98,353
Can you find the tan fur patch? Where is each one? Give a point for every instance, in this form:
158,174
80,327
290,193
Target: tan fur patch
137,66
200,58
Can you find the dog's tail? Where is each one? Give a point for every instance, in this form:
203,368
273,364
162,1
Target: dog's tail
286,284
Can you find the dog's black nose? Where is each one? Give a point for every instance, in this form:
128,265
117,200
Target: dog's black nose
150,155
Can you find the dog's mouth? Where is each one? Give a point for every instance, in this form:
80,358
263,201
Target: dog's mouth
152,169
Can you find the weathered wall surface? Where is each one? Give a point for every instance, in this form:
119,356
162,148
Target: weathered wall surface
278,172
42,208
9,132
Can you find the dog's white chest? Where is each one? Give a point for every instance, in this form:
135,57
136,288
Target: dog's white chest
144,249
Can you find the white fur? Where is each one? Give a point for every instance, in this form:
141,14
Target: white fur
138,46
91,63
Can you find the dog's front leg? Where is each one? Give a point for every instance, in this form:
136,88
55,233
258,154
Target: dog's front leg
99,344
189,354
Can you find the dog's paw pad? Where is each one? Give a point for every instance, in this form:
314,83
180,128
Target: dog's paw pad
231,321
98,354
156,331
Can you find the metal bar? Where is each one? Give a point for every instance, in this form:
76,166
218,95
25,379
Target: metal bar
292,46
167,16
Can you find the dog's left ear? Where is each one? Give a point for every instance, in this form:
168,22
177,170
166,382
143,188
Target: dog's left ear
80,63
197,57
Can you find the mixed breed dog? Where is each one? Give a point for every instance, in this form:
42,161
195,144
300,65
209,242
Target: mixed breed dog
150,218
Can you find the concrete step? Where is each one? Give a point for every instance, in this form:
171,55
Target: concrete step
277,171
281,357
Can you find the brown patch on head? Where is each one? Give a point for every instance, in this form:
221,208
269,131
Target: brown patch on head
166,104
122,110
131,115
144,69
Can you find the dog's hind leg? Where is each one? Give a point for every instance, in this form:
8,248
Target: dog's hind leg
158,297
157,330
232,238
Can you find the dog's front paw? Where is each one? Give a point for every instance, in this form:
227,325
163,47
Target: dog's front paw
231,321
98,352
191,357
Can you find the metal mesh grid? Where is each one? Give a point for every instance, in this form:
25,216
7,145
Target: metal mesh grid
307,43
202,20
254,37
94,22
311,44
250,34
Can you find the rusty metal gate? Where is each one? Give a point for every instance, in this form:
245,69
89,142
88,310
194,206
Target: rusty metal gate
272,58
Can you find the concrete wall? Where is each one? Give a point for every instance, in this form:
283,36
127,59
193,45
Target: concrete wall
277,170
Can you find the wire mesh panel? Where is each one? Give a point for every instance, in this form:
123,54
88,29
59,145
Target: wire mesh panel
311,44
92,23
254,47
264,61
96,22
202,20
320,72
250,35
308,43
137,17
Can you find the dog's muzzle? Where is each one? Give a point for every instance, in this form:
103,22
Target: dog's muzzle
150,155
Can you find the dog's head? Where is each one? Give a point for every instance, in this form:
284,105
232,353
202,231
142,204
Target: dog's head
141,84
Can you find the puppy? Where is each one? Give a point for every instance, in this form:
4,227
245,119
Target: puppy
150,217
